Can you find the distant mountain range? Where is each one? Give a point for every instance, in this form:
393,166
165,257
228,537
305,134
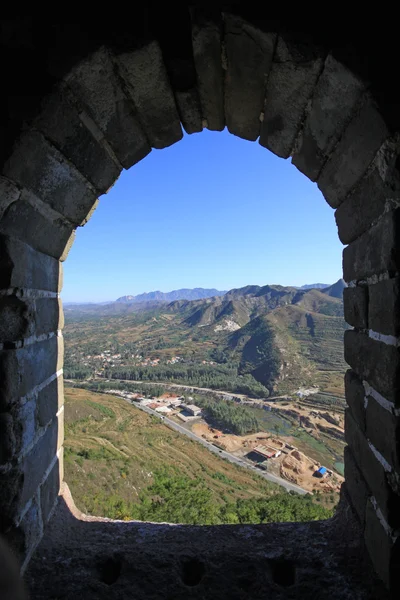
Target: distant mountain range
183,294
314,286
282,336
201,293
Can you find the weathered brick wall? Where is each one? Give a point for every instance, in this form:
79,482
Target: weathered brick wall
106,112
31,394
372,466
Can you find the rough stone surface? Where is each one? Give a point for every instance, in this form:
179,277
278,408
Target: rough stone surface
110,559
36,463
355,485
245,80
46,232
50,488
376,362
368,201
22,266
384,552
11,581
290,84
60,123
384,307
49,401
148,85
352,156
376,251
18,429
355,397
7,439
189,109
96,83
377,478
207,52
23,369
26,536
383,430
9,193
179,63
11,482
24,317
334,100
355,300
41,168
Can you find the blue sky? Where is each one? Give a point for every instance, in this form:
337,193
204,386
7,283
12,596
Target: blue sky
211,211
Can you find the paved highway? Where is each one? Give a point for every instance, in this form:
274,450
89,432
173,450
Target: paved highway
290,487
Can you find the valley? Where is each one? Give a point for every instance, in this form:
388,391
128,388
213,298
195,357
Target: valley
264,365
125,464
259,341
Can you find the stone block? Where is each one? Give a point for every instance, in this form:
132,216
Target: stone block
9,193
383,431
189,109
376,362
355,397
12,585
373,472
36,463
249,54
334,100
23,369
17,318
25,537
48,234
7,438
22,266
376,251
353,154
49,315
24,317
49,490
59,121
290,84
355,485
207,52
355,300
39,167
96,83
179,62
365,204
18,429
144,72
11,483
384,307
49,401
383,550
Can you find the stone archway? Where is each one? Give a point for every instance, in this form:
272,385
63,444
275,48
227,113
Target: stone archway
109,104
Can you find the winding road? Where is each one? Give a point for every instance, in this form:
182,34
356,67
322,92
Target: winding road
290,487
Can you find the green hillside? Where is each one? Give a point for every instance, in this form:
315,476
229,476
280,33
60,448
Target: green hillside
124,464
255,340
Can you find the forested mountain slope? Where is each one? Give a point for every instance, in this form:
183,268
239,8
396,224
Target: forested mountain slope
281,338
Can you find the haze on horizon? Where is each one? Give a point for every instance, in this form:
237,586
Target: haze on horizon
212,211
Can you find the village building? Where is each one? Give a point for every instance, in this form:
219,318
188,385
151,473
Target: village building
321,472
194,410
267,451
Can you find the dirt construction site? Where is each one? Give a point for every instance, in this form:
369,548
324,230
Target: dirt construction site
288,462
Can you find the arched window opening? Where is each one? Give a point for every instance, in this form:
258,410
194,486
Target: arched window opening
83,104
236,378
